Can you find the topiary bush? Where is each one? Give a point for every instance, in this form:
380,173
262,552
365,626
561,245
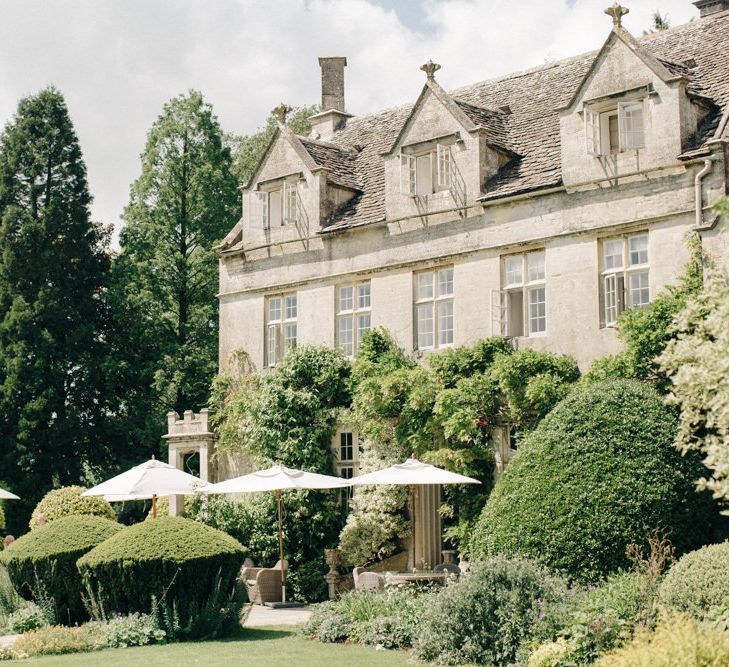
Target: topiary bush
180,568
600,472
491,615
67,500
43,561
698,581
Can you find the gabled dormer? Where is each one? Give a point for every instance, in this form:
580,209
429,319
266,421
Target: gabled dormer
299,183
632,112
443,154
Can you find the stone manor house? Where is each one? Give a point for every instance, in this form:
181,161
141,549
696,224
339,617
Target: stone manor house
536,206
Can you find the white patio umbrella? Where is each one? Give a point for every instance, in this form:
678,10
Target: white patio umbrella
6,495
412,473
151,479
277,479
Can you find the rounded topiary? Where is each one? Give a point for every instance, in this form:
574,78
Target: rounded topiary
698,581
68,500
169,561
43,561
599,473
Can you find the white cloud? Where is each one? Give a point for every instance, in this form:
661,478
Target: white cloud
118,61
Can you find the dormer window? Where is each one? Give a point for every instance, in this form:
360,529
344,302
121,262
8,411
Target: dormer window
275,205
613,130
426,172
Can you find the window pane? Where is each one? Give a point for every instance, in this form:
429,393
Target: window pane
614,132
272,348
345,335
445,323
638,249
364,323
537,310
425,325
289,334
346,298
613,254
274,309
291,307
346,450
445,282
639,290
425,285
535,266
611,299
513,270
363,295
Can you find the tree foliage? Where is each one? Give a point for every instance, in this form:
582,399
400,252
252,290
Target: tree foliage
165,278
53,265
600,472
697,362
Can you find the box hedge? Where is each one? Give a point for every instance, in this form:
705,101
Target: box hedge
599,473
43,561
698,581
66,501
169,562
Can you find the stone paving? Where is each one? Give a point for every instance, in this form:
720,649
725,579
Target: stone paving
259,615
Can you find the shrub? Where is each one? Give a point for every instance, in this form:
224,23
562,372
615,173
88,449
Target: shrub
9,599
67,500
599,473
679,640
698,581
29,616
389,619
180,568
491,615
42,563
551,654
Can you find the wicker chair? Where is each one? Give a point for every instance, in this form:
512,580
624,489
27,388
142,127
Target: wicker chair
263,583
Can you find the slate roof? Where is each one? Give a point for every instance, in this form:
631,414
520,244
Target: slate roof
531,129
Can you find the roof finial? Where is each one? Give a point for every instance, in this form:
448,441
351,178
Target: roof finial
281,111
617,11
430,68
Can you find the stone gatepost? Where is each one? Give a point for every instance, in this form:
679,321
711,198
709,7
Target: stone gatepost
190,435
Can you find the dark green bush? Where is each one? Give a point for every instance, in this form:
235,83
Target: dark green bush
491,615
599,473
43,561
699,581
181,568
68,500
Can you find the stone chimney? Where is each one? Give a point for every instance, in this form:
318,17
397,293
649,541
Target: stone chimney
708,7
332,117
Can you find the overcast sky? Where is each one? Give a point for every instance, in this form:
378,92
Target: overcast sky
118,61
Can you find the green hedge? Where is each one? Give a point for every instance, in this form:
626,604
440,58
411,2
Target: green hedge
599,473
181,564
44,561
698,581
68,500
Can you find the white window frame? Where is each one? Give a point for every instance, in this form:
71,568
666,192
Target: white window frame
259,215
597,128
526,286
439,302
290,204
617,293
346,468
359,312
279,327
441,168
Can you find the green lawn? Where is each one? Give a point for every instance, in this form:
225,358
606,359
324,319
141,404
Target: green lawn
261,646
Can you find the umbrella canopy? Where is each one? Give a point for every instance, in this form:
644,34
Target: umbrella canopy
6,495
277,478
412,472
149,480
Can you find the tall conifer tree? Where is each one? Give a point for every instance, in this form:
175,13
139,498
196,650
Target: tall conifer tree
52,265
164,281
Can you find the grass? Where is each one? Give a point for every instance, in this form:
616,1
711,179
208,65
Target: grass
260,646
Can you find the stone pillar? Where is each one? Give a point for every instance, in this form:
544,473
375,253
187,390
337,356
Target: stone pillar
189,435
333,557
426,550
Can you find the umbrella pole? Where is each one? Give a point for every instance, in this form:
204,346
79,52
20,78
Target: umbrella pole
280,547
412,526
154,506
